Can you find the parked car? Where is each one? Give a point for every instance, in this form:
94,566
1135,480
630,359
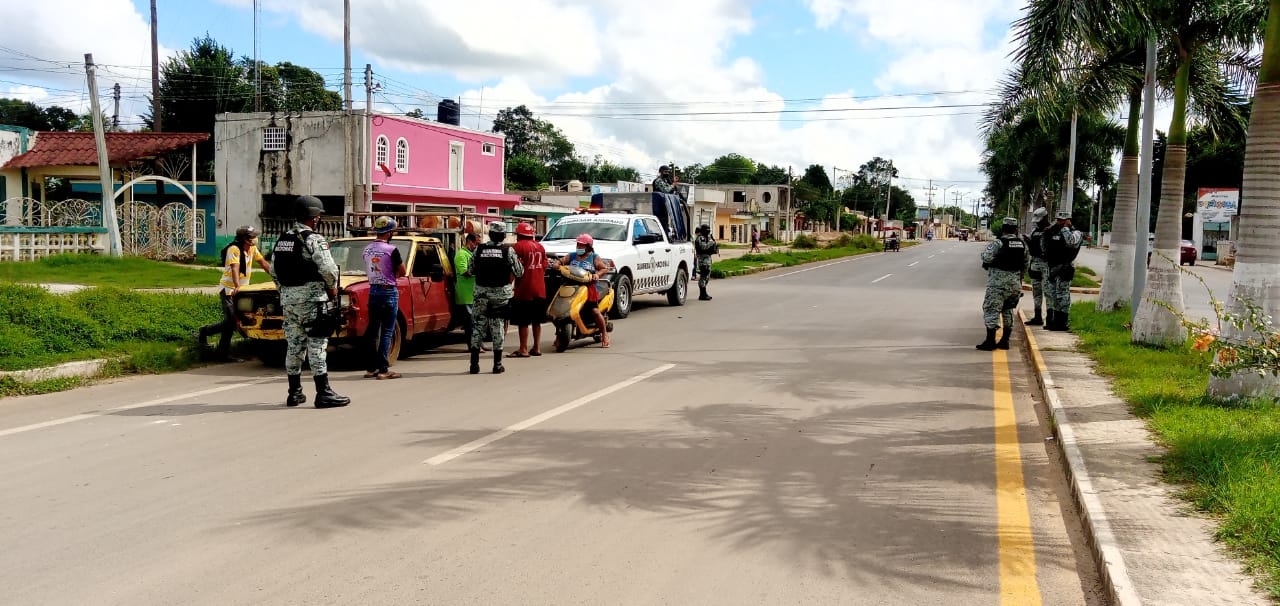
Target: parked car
1188,256
426,296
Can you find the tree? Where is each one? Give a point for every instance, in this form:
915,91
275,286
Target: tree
538,139
16,112
1257,273
603,171
816,176
286,87
526,173
770,175
729,169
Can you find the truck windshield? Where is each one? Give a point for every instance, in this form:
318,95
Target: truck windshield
598,230
349,254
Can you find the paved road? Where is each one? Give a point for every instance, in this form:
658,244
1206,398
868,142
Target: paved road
1198,282
816,435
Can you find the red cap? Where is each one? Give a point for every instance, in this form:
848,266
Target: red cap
524,229
586,239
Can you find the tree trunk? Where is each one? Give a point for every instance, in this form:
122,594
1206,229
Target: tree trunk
1117,280
1257,272
1154,324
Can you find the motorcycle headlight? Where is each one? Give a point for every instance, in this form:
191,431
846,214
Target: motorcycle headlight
344,300
244,304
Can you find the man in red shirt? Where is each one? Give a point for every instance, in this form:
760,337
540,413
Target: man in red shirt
529,303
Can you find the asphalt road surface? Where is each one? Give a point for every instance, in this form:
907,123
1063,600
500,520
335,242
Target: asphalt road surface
824,434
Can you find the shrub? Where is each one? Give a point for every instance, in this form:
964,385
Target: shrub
804,241
843,241
867,241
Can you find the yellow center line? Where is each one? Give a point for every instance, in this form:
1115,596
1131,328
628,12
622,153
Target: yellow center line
1013,518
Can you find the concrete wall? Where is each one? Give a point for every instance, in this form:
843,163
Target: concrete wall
777,193
429,146
13,141
312,162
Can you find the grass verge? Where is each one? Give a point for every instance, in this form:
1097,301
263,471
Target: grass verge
1085,278
729,267
124,272
1226,456
41,329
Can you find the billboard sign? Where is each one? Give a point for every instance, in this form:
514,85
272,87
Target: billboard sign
1217,204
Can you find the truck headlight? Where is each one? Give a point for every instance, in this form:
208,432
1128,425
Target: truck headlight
244,304
344,300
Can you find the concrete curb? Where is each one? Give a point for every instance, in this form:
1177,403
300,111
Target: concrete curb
82,368
751,270
1106,550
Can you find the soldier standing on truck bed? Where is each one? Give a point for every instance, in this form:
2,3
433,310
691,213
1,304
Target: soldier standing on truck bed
307,278
495,266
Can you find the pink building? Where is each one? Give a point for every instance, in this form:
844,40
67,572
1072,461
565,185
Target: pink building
417,165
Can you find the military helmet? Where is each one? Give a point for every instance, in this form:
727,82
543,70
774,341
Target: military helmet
1062,214
1009,222
704,228
246,232
1039,214
306,207
497,231
664,169
384,224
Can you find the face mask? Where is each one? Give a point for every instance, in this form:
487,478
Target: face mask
581,251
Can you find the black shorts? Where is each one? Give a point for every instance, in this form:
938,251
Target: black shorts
526,312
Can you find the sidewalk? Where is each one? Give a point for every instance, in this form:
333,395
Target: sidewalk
1150,548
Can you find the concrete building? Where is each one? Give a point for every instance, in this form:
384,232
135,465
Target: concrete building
767,205
264,161
13,142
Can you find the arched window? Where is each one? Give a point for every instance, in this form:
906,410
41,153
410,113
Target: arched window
381,147
402,155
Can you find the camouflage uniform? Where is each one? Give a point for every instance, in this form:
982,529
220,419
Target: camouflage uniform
704,246
1058,292
664,186
1039,271
1004,287
490,307
302,304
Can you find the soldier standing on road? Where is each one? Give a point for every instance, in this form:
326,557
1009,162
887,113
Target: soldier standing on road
1004,259
307,278
1061,244
495,267
703,247
1039,272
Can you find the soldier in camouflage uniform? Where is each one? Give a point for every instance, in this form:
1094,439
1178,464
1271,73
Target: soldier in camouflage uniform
1039,271
1061,244
495,266
1004,259
703,247
307,279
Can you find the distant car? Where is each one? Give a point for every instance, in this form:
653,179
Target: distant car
1188,255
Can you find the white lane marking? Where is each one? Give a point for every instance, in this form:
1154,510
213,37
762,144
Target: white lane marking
881,278
475,445
914,264
932,256
800,271
157,401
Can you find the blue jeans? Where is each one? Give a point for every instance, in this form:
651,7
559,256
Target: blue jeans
384,301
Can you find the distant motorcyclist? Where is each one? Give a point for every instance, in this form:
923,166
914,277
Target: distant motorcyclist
703,247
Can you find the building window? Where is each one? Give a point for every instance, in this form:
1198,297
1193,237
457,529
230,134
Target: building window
494,210
381,158
766,197
402,155
273,139
488,149
739,196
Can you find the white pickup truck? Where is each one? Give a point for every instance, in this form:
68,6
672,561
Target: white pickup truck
644,258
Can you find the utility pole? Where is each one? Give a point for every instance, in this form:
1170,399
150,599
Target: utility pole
1144,181
156,113
365,170
104,163
790,218
1069,190
115,113
888,203
346,54
257,73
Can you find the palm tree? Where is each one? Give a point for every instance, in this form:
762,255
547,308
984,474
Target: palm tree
1207,41
1257,272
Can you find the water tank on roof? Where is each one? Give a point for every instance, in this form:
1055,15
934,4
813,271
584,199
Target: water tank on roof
574,185
449,112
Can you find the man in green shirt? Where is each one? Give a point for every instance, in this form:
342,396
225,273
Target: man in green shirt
464,291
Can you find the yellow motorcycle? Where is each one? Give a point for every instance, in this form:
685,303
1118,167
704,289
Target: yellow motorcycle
565,309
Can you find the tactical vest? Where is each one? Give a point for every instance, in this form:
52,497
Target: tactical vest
290,257
1012,255
490,266
1056,251
1033,245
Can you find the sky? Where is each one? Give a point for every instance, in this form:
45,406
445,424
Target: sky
785,82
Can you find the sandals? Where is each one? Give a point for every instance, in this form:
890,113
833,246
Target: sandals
535,353
371,374
517,354
391,374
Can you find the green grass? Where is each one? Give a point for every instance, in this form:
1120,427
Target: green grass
1226,456
125,272
1085,278
729,267
152,329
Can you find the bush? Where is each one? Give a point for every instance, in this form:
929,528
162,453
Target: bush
867,241
804,241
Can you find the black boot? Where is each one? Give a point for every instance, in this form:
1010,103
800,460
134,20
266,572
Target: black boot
1036,321
296,396
475,361
326,397
702,294
497,361
990,343
1048,319
1004,339
1060,321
